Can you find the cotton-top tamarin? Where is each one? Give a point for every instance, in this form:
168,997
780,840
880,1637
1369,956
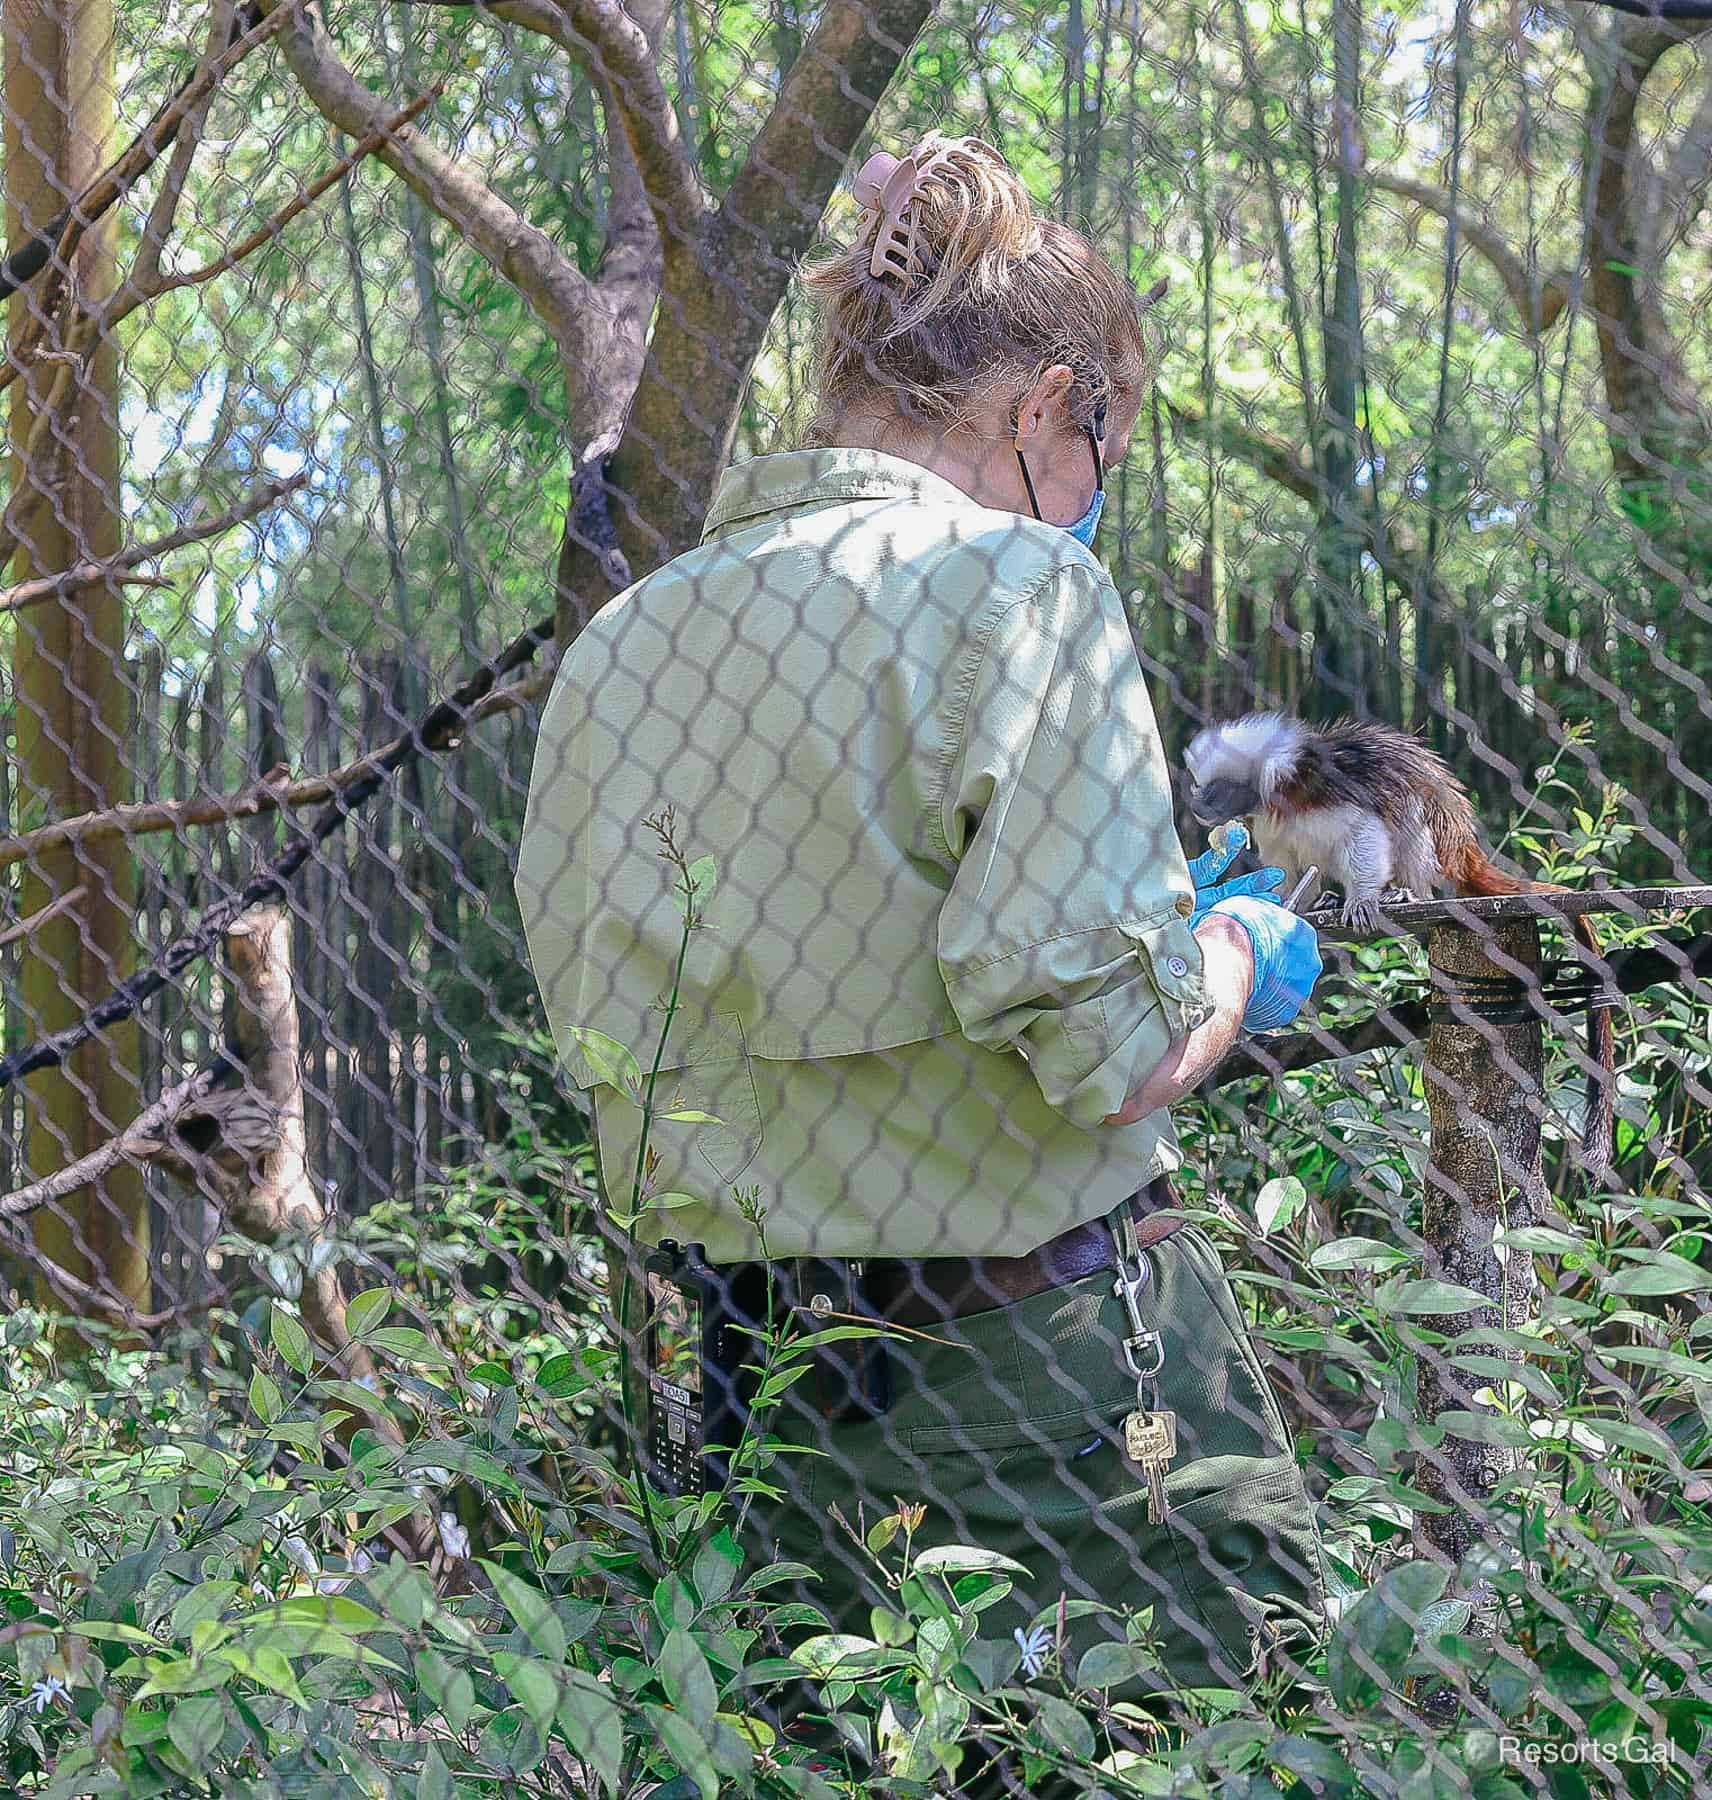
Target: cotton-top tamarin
1383,818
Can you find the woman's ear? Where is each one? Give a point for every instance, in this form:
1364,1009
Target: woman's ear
1041,405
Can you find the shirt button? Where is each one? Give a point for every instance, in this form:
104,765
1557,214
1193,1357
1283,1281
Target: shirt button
1176,965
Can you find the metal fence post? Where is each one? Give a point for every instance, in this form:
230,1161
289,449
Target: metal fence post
1484,1087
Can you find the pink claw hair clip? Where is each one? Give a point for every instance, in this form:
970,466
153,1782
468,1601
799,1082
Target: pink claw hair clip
886,189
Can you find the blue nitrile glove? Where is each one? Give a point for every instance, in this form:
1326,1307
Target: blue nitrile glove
1206,869
1286,959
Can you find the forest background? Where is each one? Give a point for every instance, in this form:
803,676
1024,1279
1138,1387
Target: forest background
341,383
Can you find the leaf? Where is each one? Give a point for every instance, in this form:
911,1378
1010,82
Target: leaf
532,1610
593,1726
882,1531
289,1339
703,879
1110,1664
535,1685
1542,1238
561,1376
671,1202
949,1559
1435,1297
1065,1728
367,1310
686,1677
714,1571
110,1631
337,1610
608,1058
266,1401
447,1687
1662,1273
196,1727
406,1341
839,1653
685,1745
688,1116
265,1665
1278,1202
1357,1253
435,1781
402,1592
1379,1630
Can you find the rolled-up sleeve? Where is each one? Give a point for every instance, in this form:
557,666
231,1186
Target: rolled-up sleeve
1064,932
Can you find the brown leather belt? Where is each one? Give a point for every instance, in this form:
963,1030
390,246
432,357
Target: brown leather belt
925,1291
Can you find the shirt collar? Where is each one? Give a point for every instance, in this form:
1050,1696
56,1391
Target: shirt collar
787,480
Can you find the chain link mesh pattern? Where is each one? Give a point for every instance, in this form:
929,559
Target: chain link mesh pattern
358,361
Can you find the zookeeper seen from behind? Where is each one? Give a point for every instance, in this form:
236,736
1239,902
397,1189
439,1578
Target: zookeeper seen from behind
958,966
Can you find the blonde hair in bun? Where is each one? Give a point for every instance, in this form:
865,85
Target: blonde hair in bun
954,289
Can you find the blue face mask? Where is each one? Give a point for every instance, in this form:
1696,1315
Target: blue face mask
1084,528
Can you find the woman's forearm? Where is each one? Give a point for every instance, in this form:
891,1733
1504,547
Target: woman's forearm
1227,958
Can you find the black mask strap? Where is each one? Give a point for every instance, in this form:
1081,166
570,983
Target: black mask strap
1034,505
1096,438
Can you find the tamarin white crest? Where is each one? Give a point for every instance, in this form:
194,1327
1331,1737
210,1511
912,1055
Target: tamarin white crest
1383,818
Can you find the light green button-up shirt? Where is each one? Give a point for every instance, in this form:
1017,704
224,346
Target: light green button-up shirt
950,930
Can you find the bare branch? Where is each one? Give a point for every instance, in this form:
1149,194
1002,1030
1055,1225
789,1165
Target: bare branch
44,587
775,204
273,792
1280,461
62,903
61,235
138,1142
265,234
97,324
163,215
1686,179
606,41
558,291
1539,312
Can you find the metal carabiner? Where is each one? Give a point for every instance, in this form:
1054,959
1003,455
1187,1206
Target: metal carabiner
1127,1287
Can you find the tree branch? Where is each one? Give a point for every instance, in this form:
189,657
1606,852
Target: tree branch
617,53
163,215
775,204
265,234
62,233
1687,177
271,793
139,1142
44,587
1539,312
1280,461
555,288
440,726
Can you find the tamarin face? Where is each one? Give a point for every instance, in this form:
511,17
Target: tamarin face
1235,768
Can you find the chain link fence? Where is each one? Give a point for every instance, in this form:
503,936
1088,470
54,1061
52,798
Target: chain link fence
403,941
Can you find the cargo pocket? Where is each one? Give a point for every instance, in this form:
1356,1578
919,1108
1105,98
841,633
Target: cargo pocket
1213,1277
1248,1561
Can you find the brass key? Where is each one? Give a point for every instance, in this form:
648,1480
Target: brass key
1150,1441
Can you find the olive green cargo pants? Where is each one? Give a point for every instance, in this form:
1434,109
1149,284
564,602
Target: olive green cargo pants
1012,1437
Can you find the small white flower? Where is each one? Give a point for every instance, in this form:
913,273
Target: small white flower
49,1689
296,1551
1034,1648
454,1539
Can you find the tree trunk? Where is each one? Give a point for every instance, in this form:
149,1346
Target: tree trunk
73,706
